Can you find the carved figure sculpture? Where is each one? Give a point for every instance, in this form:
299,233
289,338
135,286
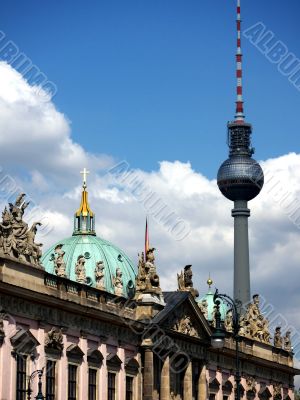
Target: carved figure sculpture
185,281
150,268
213,315
251,384
253,308
16,240
80,270
33,249
59,263
118,282
278,341
99,275
287,342
277,388
54,339
186,327
204,308
228,323
6,238
152,279
141,276
181,283
253,324
262,330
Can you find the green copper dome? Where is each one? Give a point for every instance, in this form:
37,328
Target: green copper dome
88,259
93,249
207,302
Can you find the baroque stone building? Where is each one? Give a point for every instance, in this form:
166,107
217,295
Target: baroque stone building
100,329
82,322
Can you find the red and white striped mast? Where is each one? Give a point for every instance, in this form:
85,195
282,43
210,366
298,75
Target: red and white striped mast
239,116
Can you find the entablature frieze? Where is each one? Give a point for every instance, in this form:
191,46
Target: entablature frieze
15,306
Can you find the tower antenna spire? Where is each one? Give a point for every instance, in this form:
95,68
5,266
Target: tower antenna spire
239,115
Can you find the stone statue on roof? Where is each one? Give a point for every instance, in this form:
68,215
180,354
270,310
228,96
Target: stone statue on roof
287,342
185,281
278,340
118,282
204,308
59,262
80,270
99,275
16,240
253,324
228,322
147,280
140,282
152,278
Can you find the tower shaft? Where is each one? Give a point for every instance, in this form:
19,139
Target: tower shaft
241,285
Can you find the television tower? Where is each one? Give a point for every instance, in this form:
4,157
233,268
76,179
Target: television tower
240,179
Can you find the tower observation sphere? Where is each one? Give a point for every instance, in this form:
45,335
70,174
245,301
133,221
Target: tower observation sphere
240,177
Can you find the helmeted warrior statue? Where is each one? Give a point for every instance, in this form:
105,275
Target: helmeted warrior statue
185,281
16,240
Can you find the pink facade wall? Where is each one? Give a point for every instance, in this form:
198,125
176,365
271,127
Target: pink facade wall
8,362
85,342
224,376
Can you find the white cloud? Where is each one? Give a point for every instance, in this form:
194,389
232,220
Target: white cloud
37,137
35,134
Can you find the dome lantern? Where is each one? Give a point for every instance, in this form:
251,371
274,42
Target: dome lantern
84,219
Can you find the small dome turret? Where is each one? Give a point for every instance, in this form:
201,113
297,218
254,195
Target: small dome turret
84,219
207,305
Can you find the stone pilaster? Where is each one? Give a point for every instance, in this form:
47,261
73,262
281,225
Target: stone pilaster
122,375
188,383
103,371
165,380
148,374
202,384
62,375
140,380
83,371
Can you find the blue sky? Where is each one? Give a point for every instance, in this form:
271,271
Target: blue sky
151,81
